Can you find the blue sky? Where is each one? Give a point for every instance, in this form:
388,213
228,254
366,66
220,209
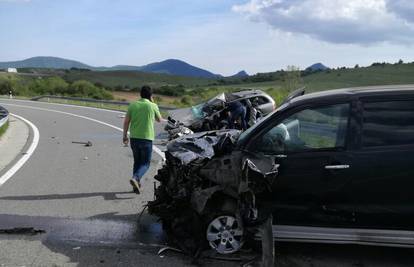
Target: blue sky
222,36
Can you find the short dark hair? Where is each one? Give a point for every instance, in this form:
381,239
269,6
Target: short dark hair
146,92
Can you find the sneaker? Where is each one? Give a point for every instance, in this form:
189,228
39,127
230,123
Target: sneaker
135,185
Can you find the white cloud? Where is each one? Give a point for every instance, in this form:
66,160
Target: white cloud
337,21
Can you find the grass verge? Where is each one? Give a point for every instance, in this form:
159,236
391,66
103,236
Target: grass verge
95,105
3,128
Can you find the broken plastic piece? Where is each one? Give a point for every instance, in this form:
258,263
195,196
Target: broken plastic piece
164,249
87,144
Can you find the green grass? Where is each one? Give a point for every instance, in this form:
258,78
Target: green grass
375,75
134,79
198,90
332,79
3,129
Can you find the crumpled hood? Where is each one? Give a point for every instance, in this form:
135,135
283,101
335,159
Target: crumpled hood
205,145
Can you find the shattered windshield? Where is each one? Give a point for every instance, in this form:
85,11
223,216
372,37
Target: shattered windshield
216,103
198,111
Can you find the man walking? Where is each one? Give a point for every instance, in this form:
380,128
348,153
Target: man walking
140,121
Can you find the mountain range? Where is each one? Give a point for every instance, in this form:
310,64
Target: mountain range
169,66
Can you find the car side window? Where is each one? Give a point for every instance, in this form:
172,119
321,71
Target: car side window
262,100
309,129
388,123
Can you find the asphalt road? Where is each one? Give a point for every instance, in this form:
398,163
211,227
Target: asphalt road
81,198
63,179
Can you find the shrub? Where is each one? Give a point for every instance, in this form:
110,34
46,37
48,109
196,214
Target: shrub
186,100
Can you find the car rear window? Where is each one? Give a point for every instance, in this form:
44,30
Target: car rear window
388,123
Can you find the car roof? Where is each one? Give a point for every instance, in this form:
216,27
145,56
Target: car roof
354,91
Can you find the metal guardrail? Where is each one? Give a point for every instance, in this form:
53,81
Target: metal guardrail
4,116
89,100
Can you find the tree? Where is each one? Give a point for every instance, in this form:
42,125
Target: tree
292,79
5,87
87,89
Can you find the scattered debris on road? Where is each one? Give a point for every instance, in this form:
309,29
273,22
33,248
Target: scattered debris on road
87,144
164,249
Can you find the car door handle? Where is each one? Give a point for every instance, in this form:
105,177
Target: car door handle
336,167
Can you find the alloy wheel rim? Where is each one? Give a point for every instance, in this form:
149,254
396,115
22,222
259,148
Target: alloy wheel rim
225,234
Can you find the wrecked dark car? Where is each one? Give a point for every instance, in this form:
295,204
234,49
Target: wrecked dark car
329,167
212,114
206,188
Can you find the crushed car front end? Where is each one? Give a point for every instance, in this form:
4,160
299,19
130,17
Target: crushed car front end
208,190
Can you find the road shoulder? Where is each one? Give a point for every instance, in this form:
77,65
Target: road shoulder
12,143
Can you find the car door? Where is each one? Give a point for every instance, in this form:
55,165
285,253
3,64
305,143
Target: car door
309,147
383,183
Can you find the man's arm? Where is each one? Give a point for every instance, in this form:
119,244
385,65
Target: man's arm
127,120
158,116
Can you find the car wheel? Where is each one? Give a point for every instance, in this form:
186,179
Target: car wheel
224,234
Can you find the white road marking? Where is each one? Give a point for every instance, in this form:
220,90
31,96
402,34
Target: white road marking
26,155
156,149
64,105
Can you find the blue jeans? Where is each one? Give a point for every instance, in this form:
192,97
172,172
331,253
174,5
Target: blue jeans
142,151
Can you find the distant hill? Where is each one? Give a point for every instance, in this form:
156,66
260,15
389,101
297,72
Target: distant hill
317,66
170,66
240,74
44,62
177,67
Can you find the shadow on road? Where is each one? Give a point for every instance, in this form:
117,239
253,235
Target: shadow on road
105,195
111,239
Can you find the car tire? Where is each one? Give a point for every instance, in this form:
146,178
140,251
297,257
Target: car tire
224,232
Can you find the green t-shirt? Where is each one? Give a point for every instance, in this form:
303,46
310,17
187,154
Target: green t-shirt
142,114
